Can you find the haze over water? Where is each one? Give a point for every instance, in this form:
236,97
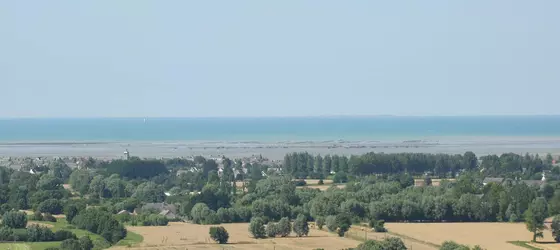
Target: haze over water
383,128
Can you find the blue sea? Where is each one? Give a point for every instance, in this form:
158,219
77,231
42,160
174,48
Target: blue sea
273,129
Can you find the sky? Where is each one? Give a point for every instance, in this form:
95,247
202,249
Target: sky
136,58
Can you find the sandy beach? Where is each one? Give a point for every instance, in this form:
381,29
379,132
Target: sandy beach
277,150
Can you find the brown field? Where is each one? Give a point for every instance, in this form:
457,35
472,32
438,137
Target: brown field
491,236
190,236
364,233
435,182
324,187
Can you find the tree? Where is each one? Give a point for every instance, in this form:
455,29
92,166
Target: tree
49,182
14,219
301,227
427,181
330,221
271,229
51,206
71,211
320,222
256,227
80,180
343,222
535,216
200,213
284,227
555,227
86,243
70,244
219,234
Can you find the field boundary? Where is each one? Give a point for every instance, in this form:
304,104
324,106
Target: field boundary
524,244
414,239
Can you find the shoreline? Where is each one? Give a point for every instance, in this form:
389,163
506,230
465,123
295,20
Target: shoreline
275,150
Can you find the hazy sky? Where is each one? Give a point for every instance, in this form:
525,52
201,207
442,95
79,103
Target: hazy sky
278,58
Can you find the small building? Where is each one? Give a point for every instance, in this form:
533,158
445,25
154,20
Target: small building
168,214
492,180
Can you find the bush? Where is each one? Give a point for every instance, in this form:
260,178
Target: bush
61,235
51,206
219,234
256,227
37,216
85,243
555,227
284,227
36,233
52,248
451,245
100,222
390,243
271,229
301,227
49,217
14,219
6,233
70,244
377,225
321,182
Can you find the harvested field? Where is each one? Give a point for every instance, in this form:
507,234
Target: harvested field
364,233
324,187
191,236
488,235
316,182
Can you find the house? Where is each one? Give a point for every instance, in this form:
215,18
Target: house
168,214
159,207
492,180
124,212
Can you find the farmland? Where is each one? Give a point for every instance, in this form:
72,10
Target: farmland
487,235
191,236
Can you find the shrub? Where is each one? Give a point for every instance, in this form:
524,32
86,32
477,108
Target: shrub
49,217
256,227
37,216
70,244
6,233
61,235
19,235
14,219
321,182
271,229
85,243
320,222
377,225
219,234
301,227
284,227
555,227
451,245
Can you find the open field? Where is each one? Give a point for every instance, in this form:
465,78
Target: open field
323,187
191,236
364,233
488,235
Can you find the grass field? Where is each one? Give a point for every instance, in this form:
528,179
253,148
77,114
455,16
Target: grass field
487,235
180,235
55,226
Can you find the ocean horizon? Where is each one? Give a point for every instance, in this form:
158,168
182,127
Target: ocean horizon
267,129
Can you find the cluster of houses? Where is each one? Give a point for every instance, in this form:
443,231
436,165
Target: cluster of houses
501,181
165,209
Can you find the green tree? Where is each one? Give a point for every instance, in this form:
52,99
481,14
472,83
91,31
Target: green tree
80,180
86,243
343,222
271,229
51,206
256,227
451,245
219,234
70,244
535,216
555,227
320,222
301,227
284,227
330,221
71,211
14,219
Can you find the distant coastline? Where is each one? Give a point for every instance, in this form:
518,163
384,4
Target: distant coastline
274,137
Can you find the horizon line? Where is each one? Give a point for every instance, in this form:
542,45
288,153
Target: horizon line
267,117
